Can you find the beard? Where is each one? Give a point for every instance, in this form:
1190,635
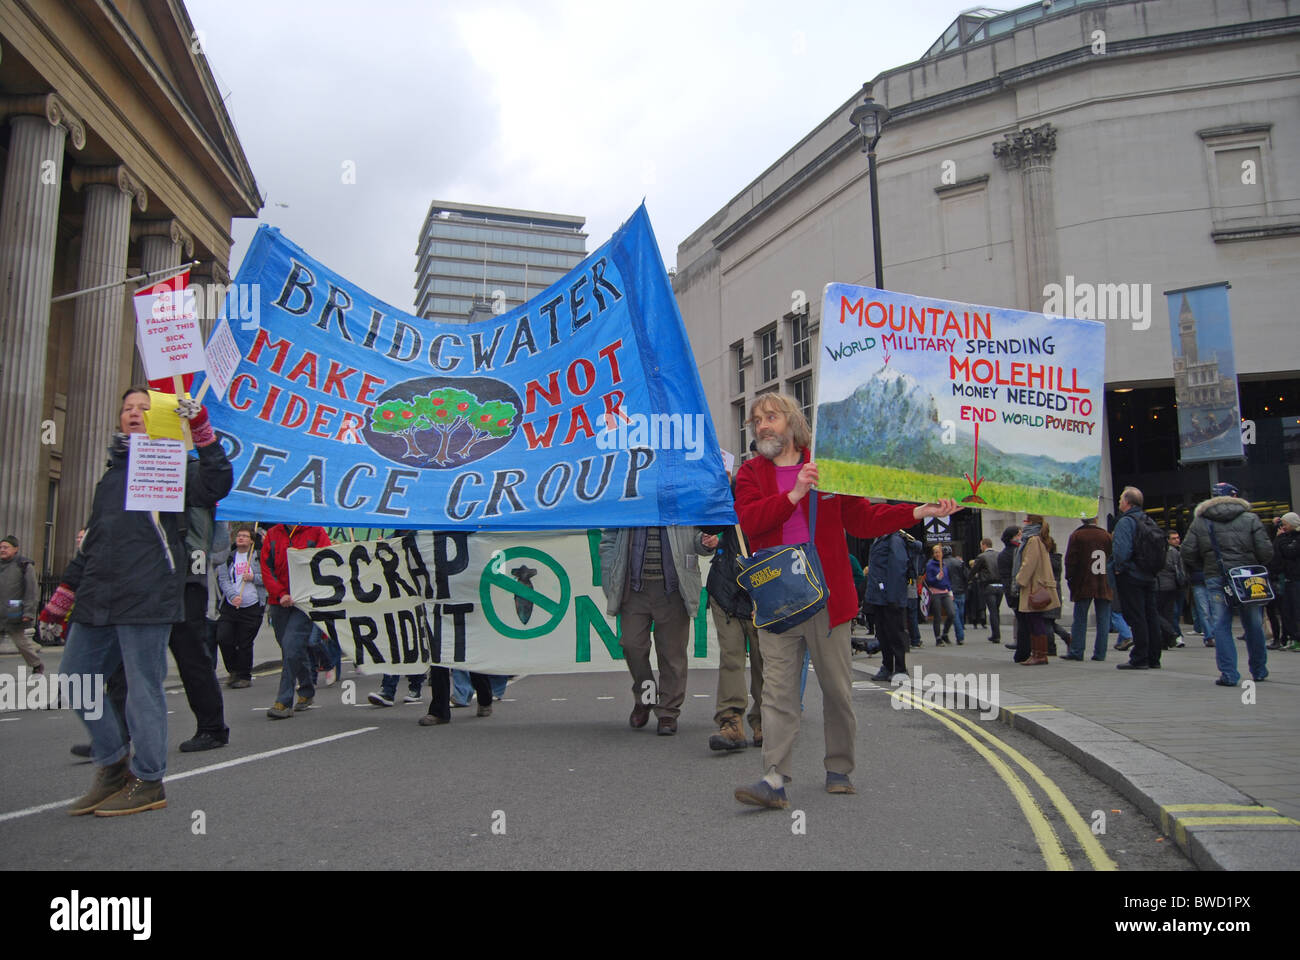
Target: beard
771,446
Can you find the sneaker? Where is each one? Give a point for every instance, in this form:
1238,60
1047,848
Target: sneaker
1209,641
839,783
240,684
762,794
136,797
457,703
1131,666
1178,644
1124,644
303,703
1293,647
380,699
1223,682
1274,645
109,781
81,750
429,720
881,674
325,678
412,696
899,678
730,735
280,711
484,710
203,740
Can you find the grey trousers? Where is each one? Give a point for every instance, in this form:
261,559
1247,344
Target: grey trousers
782,661
732,697
671,632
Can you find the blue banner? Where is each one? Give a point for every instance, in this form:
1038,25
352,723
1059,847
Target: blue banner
581,407
1205,373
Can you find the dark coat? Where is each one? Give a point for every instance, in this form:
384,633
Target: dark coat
887,572
1079,552
721,584
130,570
1171,577
1287,546
1241,537
1122,546
958,574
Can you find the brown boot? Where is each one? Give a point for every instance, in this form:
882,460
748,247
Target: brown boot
758,733
730,735
108,781
1038,654
136,797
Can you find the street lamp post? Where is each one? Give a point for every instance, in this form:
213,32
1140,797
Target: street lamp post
870,119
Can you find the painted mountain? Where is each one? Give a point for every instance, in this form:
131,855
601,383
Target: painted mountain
893,421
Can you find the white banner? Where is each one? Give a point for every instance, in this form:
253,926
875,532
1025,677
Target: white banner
502,603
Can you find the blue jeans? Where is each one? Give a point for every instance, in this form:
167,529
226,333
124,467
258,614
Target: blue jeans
1201,611
294,633
1225,644
1079,628
142,650
463,691
498,686
1118,625
414,683
914,621
961,617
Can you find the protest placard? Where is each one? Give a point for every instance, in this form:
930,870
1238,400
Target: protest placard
344,411
503,603
919,399
222,355
155,474
167,329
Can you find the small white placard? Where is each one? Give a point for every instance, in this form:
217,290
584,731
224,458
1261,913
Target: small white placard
155,475
223,357
167,330
728,461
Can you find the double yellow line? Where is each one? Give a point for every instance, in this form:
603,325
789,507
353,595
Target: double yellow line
1049,843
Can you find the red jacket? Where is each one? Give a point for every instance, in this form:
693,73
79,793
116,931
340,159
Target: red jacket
275,559
763,510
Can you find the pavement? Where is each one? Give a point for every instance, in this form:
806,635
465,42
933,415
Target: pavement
1218,769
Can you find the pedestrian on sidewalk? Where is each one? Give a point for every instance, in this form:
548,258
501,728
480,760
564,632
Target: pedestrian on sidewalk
294,630
1287,546
1087,573
1139,554
941,602
1039,599
1223,535
18,600
984,571
1170,582
128,587
650,574
733,620
774,494
959,580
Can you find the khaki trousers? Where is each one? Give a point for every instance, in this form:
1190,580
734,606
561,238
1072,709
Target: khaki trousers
672,630
26,645
782,663
732,697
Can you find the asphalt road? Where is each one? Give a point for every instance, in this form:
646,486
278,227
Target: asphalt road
557,779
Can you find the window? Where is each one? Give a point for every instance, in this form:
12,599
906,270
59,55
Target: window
738,364
800,341
767,353
1243,198
742,433
802,391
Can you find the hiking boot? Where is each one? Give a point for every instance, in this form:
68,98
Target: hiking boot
667,726
430,720
758,733
484,710
303,703
280,711
762,794
839,783
136,797
109,780
730,735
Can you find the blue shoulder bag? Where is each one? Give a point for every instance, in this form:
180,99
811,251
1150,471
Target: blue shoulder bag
786,582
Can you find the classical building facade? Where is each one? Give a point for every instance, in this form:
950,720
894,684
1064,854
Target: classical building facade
119,159
1128,147
490,258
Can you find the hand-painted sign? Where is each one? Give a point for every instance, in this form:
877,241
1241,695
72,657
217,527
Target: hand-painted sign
344,411
489,602
919,399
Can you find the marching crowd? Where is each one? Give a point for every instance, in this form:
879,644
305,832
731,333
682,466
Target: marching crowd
138,586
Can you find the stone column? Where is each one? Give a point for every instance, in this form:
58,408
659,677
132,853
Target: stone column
94,388
211,281
29,212
1030,150
164,244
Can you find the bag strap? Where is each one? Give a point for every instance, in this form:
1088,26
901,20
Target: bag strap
812,516
1214,542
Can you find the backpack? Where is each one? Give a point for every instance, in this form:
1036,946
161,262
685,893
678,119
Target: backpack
1150,546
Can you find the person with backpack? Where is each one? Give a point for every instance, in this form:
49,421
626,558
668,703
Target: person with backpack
1139,551
984,571
18,598
1223,535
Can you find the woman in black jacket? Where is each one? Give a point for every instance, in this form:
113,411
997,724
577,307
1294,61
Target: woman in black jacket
128,582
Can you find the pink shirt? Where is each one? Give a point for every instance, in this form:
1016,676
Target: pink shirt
794,530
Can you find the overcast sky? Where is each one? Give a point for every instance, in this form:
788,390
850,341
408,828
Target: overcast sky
568,107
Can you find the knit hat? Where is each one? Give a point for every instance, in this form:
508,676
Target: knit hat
1010,533
13,541
1224,490
1292,520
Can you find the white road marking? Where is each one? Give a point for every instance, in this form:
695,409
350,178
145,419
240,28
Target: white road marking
9,719
15,814
700,696
558,699
604,698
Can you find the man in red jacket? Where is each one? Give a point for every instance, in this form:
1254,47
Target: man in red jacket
293,628
772,498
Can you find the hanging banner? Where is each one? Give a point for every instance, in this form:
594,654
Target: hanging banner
502,603
1205,373
344,411
919,399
